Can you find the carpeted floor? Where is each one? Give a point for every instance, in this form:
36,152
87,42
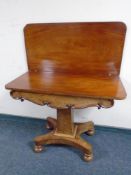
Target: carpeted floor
112,151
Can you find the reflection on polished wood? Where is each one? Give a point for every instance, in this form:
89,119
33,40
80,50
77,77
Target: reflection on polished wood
82,48
71,66
69,85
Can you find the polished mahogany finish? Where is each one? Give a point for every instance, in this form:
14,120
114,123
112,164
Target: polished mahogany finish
82,48
71,62
76,59
69,84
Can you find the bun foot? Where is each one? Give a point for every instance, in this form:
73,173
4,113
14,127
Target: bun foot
90,132
48,126
38,148
51,123
88,157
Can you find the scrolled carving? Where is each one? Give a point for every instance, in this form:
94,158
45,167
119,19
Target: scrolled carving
61,101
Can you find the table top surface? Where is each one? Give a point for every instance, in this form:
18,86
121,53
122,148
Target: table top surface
70,85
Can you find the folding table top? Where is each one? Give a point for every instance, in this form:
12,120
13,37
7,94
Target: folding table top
74,59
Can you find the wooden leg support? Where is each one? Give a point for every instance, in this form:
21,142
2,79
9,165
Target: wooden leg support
64,131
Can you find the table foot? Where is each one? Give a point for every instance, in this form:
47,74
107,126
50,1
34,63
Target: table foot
38,148
51,123
88,157
90,128
87,128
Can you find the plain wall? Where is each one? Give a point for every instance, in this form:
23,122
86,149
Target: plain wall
14,15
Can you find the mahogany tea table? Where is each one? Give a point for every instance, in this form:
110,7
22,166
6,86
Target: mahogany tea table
71,66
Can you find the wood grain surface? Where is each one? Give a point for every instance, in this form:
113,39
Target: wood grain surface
69,84
89,48
73,59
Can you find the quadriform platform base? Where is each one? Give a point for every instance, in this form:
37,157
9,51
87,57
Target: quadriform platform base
64,130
